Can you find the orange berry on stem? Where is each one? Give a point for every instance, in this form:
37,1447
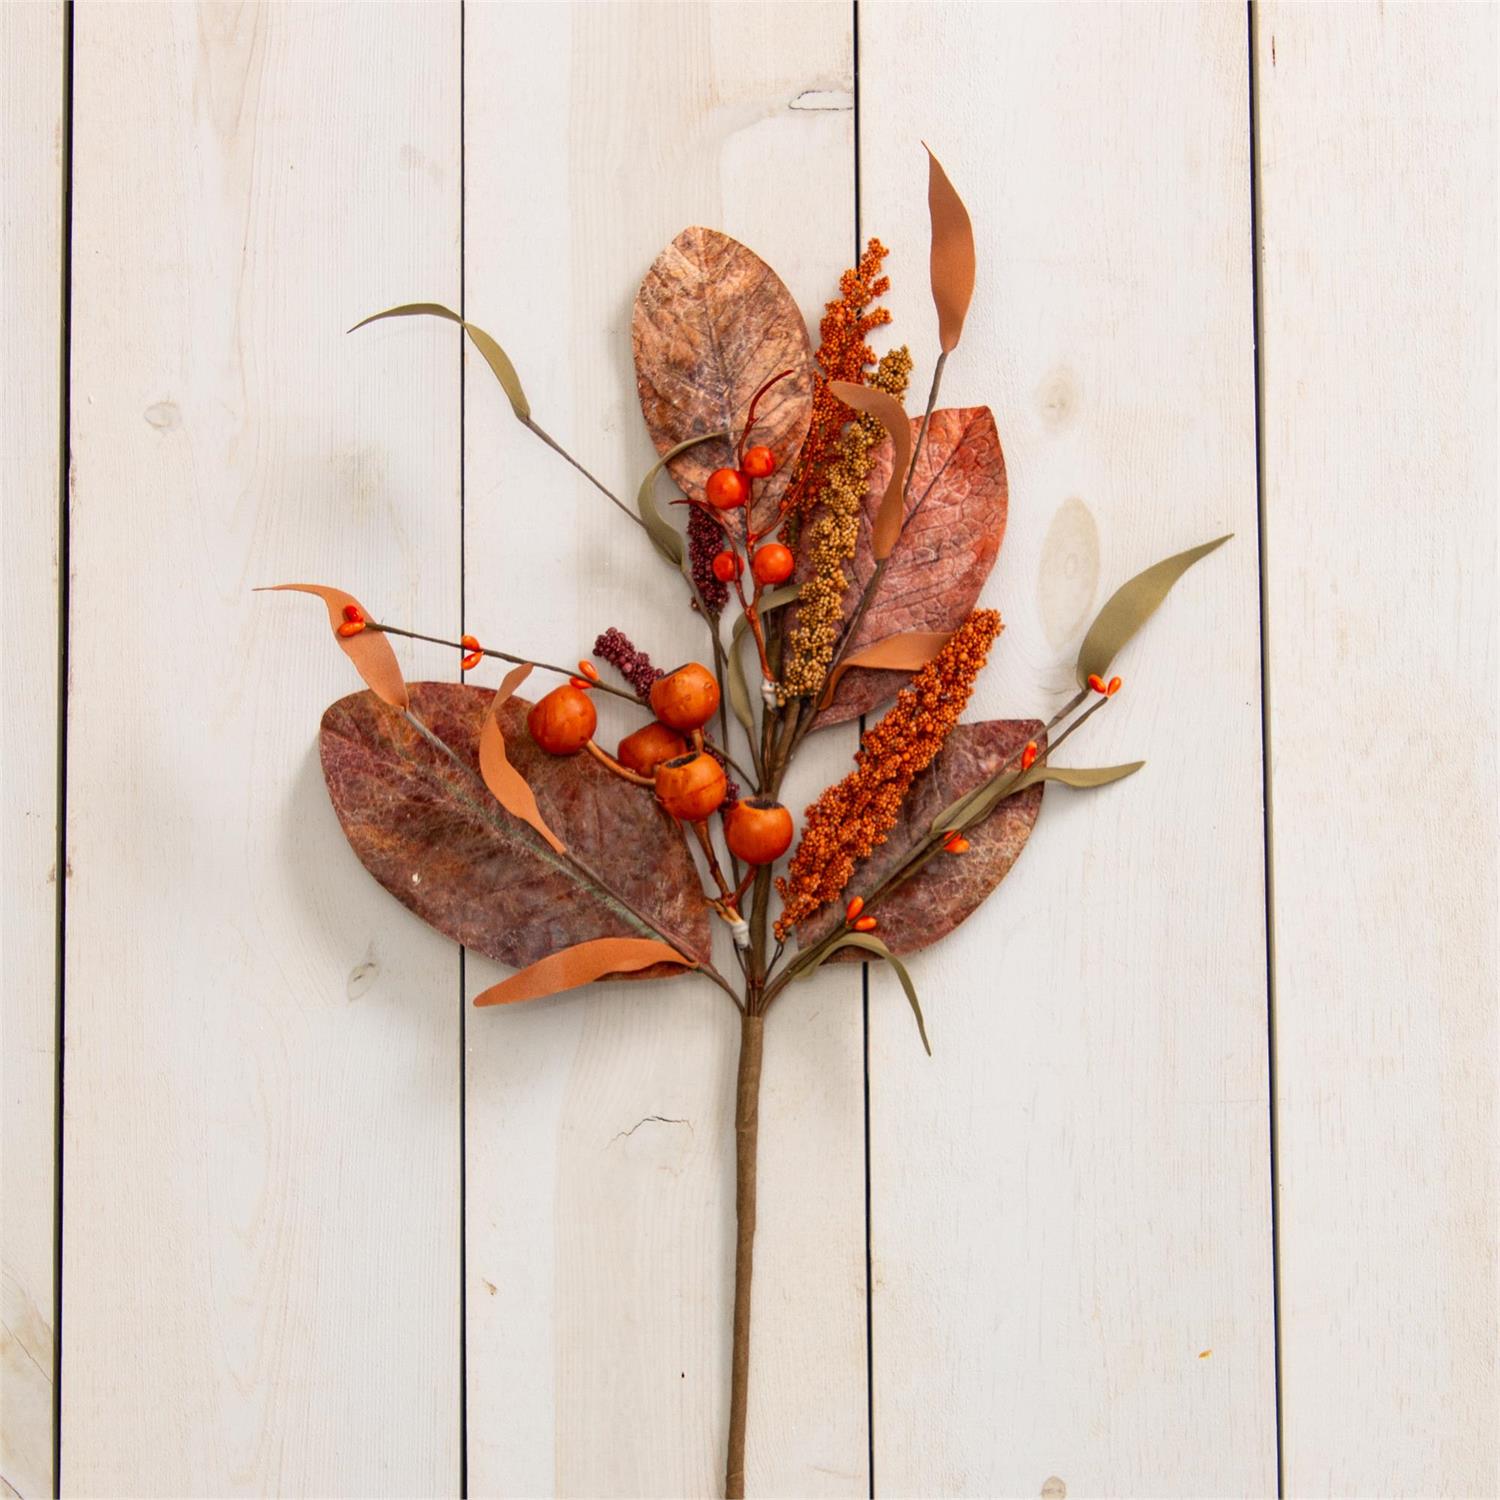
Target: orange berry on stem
854,908
645,749
772,563
690,786
1113,688
758,831
1028,755
351,627
1096,683
728,567
727,489
473,652
353,614
957,844
758,462
866,924
585,669
563,722
687,698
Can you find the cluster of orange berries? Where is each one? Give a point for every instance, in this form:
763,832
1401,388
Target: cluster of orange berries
689,782
729,489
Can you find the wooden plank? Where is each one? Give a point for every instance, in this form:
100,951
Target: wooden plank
33,40
599,1126
262,1199
1071,1227
1377,148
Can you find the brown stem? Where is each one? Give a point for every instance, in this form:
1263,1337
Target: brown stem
746,1136
609,763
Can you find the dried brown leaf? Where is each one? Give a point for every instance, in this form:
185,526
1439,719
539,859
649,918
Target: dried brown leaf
955,524
581,964
511,789
713,322
952,254
950,886
369,650
427,828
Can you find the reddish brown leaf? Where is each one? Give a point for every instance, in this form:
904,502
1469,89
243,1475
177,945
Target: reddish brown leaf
956,520
949,887
582,964
712,322
369,650
429,831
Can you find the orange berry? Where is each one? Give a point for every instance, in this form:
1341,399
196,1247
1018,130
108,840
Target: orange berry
758,462
758,831
563,722
728,567
351,627
866,924
687,698
691,786
727,489
645,749
1113,688
353,614
1096,683
474,655
589,670
772,563
854,908
1028,755
957,844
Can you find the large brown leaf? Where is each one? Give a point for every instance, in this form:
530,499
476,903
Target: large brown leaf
712,322
948,888
430,832
956,520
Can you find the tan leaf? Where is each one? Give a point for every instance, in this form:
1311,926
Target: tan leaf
369,650
582,964
512,790
713,322
952,254
896,653
886,524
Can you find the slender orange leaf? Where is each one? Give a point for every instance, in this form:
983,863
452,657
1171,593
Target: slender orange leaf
887,410
512,790
370,651
907,652
581,964
952,254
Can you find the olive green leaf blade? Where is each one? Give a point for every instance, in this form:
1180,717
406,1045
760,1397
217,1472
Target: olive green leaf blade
494,356
664,536
976,805
1130,606
879,949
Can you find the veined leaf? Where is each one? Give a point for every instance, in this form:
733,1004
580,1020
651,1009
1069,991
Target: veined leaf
952,254
889,514
369,650
512,790
1130,606
494,356
869,944
664,536
581,964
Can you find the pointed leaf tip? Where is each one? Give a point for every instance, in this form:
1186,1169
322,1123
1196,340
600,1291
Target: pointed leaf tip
953,261
1130,606
581,964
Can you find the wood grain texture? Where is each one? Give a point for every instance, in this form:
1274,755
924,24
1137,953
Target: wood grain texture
1378,222
1070,1201
32,78
261,1157
599,1125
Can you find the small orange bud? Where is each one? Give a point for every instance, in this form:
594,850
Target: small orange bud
866,924
1028,755
351,627
353,614
589,670
1096,682
1113,688
473,652
854,908
957,844
581,683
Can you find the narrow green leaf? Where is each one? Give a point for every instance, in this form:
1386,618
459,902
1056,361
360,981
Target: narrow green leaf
1130,606
664,536
969,810
879,949
494,356
739,688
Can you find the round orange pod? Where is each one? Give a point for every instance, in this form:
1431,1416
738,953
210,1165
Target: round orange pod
727,566
687,698
758,831
691,786
772,563
727,489
563,722
645,749
759,462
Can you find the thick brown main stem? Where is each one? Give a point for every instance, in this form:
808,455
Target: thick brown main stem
746,1134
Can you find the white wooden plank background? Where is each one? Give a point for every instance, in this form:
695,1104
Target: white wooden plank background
34,69
281,1134
1377,199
